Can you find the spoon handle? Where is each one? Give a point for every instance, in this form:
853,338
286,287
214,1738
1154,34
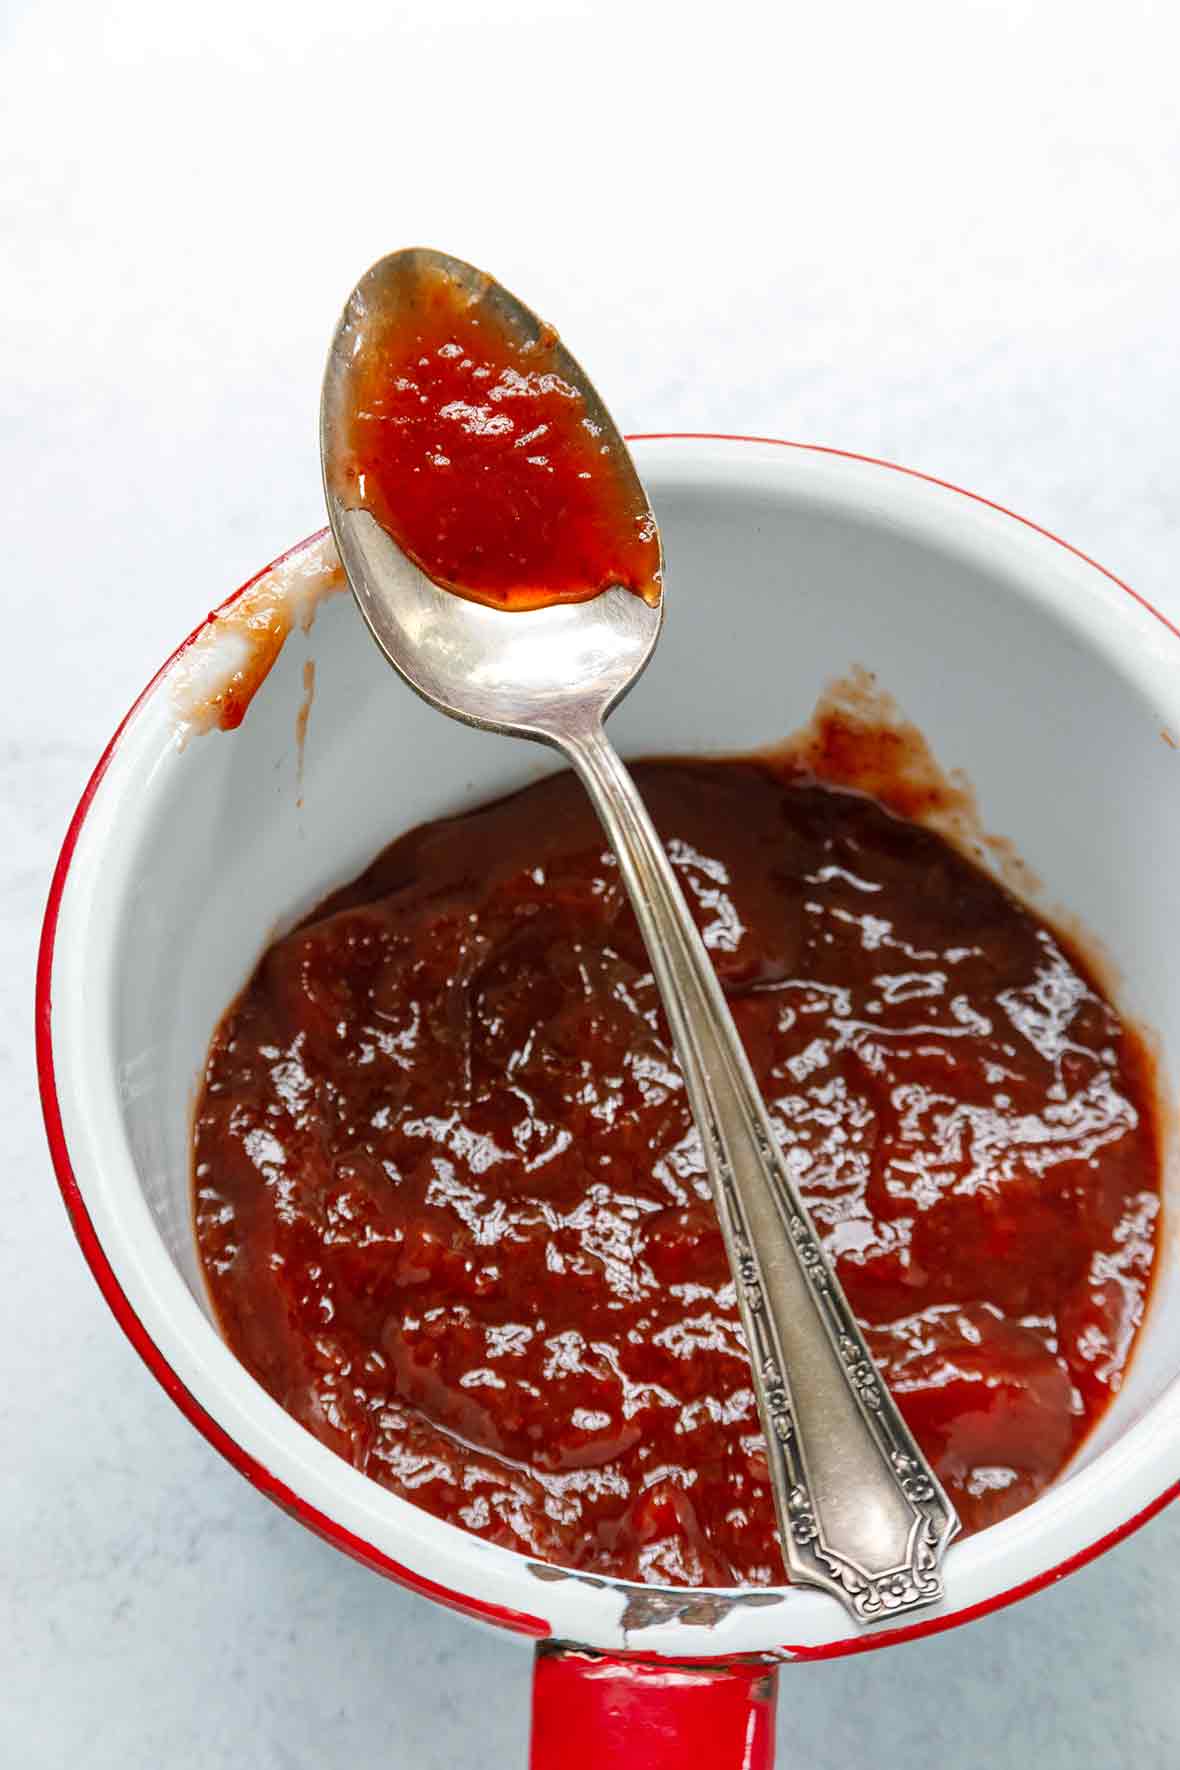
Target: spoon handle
860,1512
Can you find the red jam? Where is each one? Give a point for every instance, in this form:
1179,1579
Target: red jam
453,1211
483,462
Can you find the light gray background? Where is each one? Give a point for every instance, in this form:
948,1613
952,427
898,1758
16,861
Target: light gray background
945,233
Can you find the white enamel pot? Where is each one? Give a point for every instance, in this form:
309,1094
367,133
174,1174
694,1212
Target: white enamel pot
1051,684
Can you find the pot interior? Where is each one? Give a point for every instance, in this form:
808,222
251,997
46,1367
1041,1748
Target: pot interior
1050,687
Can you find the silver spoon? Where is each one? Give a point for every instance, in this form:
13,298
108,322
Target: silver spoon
860,1512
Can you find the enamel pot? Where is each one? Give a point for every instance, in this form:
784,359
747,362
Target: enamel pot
1051,684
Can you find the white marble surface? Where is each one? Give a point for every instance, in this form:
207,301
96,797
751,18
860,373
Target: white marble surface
945,234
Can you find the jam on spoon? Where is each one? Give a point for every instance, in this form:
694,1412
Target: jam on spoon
477,448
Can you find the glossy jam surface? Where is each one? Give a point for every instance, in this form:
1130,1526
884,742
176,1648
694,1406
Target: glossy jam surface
480,457
453,1210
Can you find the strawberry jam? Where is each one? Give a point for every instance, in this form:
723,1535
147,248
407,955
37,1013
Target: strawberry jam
453,1210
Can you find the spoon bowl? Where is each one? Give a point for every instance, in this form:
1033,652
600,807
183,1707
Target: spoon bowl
545,668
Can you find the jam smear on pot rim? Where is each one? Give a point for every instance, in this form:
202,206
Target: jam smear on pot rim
452,1207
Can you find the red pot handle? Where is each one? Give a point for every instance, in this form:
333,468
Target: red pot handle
594,1712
